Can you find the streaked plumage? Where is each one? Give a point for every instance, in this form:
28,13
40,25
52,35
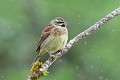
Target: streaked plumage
54,37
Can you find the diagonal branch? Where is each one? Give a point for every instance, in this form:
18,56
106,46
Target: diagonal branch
77,38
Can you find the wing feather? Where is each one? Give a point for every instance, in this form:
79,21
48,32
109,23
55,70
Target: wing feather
45,34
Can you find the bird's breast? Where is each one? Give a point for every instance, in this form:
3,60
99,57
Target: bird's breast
59,31
56,42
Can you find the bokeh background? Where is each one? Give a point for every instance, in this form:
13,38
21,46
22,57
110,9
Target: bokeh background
97,57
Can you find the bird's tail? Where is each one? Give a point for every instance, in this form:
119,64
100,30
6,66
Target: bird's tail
35,59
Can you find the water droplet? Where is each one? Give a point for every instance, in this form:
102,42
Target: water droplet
46,3
19,16
91,66
106,79
94,46
2,76
77,67
101,71
98,57
78,75
119,29
85,43
103,42
91,50
60,60
9,27
86,22
28,75
101,77
14,11
62,5
79,16
113,30
19,25
107,28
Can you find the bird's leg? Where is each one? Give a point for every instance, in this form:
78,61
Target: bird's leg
61,50
52,56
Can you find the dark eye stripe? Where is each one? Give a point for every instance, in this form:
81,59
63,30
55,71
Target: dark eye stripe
60,22
63,25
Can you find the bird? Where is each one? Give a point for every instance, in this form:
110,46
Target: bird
53,38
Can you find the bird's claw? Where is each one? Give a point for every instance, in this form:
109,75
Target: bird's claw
53,57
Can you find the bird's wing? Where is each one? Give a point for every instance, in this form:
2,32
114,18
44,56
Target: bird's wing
45,34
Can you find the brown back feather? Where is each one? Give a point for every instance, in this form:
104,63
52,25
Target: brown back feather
45,34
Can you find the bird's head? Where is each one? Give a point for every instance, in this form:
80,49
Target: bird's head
59,22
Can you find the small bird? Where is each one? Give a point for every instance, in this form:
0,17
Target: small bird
53,38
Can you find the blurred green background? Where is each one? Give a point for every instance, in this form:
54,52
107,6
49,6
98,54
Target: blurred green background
97,57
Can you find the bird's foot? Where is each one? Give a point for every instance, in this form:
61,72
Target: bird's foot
53,57
61,50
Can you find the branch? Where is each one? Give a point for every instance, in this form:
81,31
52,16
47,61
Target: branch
77,38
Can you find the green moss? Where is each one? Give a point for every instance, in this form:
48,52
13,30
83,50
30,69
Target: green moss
36,66
44,73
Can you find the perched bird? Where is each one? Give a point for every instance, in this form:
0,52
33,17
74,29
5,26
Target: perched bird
53,38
